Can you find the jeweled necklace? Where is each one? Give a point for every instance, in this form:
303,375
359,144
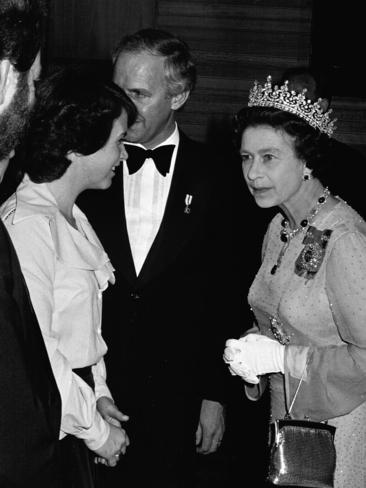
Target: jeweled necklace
286,234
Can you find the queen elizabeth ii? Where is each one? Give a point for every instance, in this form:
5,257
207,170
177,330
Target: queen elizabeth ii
309,295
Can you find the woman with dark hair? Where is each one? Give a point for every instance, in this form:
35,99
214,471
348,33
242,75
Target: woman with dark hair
308,297
74,143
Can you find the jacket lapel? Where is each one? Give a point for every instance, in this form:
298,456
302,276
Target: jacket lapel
121,247
177,225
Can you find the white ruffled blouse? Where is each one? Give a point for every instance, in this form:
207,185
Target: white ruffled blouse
66,271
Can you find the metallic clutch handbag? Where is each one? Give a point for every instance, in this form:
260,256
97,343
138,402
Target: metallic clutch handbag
302,452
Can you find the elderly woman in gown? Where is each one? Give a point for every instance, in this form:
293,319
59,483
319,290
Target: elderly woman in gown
309,295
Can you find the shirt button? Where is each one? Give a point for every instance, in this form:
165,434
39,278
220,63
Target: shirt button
134,296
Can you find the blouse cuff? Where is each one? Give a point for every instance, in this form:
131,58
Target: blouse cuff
97,435
102,390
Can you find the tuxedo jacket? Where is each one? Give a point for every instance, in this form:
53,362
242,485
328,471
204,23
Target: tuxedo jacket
30,405
166,328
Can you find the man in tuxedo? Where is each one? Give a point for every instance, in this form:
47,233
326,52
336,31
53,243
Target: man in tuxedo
30,406
166,224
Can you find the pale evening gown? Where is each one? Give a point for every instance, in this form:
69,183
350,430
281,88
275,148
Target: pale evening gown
323,315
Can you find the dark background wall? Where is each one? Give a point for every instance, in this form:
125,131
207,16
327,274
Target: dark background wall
234,42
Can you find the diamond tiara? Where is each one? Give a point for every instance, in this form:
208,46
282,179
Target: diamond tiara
290,101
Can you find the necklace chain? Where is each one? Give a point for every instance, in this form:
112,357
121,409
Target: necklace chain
286,234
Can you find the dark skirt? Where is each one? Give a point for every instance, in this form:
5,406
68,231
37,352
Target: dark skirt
78,469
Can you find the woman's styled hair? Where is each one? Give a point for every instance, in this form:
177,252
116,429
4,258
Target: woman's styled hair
180,70
310,144
74,112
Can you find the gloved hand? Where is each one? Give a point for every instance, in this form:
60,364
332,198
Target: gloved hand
254,355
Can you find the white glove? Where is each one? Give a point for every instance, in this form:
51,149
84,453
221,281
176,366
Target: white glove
254,355
236,365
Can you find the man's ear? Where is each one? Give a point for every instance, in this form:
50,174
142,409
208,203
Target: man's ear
8,81
179,100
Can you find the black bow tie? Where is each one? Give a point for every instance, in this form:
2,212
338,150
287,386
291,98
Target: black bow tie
162,156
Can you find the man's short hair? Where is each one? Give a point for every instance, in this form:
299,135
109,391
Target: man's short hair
180,70
21,23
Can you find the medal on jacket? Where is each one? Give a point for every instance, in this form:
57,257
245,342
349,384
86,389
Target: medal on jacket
188,202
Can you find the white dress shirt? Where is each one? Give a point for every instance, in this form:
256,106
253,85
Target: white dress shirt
145,195
66,271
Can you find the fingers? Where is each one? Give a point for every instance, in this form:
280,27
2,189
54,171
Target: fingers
114,460
216,442
117,414
252,379
116,418
126,444
209,445
113,421
111,461
256,338
100,460
198,434
240,369
232,343
233,347
208,442
251,338
116,443
229,354
109,410
234,356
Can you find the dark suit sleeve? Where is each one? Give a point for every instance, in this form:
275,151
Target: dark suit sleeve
30,407
232,259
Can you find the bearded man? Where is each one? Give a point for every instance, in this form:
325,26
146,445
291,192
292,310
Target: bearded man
30,407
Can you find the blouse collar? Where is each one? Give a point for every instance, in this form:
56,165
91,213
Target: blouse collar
77,248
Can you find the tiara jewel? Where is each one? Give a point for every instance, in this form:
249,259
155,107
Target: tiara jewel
290,101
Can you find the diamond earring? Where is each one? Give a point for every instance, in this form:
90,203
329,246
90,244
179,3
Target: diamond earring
307,174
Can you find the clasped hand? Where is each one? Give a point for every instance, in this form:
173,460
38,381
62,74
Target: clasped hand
117,441
254,355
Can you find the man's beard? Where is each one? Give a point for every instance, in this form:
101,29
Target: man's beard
13,121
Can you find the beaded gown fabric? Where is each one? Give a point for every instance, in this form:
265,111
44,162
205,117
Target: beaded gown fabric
315,303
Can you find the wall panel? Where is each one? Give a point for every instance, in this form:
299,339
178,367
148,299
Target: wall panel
89,29
235,42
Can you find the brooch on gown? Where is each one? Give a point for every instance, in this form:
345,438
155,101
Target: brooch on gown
311,257
279,331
